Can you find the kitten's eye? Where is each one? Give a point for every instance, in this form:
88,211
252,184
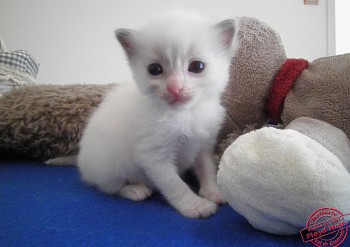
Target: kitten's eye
155,69
196,67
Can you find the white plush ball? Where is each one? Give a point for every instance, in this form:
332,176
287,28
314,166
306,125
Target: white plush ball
277,178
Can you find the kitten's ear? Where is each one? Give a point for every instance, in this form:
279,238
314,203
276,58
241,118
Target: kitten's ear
128,39
226,30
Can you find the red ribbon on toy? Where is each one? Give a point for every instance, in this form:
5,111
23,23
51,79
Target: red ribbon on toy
282,85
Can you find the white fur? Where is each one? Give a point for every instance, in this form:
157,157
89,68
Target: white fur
138,139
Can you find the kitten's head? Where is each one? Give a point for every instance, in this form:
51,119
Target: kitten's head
180,59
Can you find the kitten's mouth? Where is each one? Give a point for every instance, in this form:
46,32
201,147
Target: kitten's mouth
178,101
175,100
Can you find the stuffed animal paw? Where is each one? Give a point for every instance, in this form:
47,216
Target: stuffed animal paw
276,178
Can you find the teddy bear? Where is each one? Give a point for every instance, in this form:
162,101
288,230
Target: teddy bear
275,176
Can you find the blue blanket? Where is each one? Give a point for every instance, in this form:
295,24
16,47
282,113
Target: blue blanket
50,206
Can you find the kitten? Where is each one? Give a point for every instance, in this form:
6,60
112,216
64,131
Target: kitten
144,135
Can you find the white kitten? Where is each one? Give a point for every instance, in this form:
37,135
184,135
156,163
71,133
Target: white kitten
144,135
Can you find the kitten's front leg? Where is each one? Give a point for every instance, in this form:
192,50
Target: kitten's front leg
165,177
206,171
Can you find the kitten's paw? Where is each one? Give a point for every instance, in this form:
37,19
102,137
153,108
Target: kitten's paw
135,192
212,194
200,208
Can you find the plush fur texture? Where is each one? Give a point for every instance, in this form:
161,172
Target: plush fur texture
46,121
258,59
144,135
322,90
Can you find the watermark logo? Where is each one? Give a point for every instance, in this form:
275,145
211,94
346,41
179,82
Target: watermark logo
326,227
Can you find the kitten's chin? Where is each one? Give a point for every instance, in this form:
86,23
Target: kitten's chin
182,105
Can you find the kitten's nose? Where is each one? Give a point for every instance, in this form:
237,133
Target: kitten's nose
174,86
174,91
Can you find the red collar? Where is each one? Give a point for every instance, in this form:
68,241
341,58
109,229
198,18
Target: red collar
282,84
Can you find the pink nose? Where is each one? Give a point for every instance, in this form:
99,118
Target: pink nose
174,86
174,91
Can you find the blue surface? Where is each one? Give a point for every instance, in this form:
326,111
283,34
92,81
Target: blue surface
50,206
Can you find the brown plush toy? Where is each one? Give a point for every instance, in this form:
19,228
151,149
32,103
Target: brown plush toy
46,121
275,178
321,91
